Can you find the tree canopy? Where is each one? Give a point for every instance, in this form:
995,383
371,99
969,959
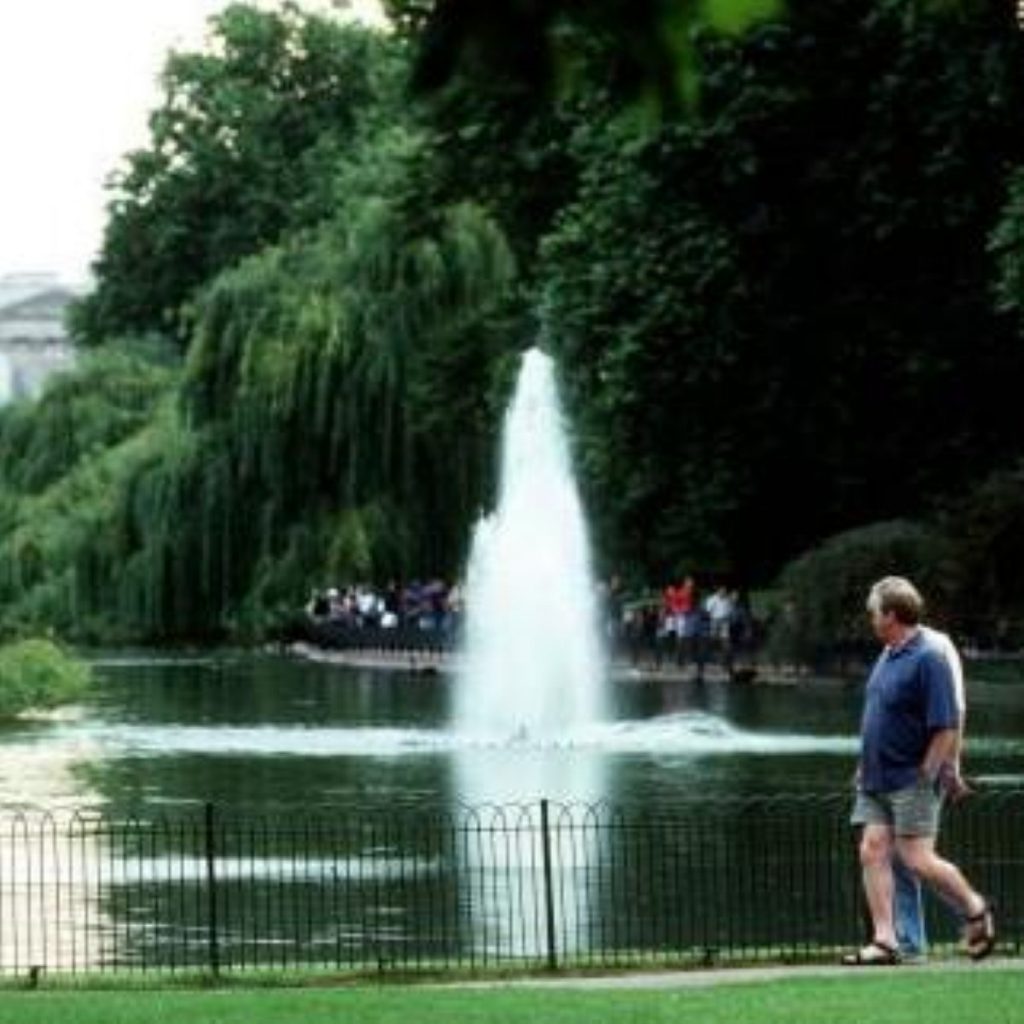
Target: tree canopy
243,148
792,299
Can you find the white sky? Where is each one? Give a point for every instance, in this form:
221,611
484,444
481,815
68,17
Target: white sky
77,81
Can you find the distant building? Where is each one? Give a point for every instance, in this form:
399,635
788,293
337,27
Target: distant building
33,338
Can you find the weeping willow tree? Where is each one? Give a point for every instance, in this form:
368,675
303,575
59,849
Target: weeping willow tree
328,414
64,464
334,402
331,422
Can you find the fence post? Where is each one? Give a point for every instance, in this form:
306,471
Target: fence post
549,895
213,939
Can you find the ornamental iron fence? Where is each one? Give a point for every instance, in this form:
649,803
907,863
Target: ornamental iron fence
542,884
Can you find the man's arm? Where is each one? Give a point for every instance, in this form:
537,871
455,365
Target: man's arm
942,747
958,746
950,779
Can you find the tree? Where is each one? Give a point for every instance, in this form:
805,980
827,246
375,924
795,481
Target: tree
767,307
244,147
538,45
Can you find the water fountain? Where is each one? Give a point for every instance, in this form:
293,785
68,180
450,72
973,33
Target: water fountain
534,679
534,667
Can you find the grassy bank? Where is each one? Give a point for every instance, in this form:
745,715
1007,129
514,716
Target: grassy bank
995,996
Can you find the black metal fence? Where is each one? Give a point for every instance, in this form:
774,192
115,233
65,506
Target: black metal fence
532,885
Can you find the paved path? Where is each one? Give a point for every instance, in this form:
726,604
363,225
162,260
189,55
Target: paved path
738,975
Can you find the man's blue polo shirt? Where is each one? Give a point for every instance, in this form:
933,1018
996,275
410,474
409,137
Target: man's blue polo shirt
910,696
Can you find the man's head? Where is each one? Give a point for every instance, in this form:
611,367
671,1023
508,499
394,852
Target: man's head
895,607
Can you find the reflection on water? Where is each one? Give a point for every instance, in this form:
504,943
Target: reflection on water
47,905
510,880
39,768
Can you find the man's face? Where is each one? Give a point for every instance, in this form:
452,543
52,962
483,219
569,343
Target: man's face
882,623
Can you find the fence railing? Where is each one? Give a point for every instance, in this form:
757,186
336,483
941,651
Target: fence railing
639,650
531,885
645,650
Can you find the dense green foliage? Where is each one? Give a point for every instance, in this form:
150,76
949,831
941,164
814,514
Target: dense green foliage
332,418
769,310
647,46
785,307
37,675
66,461
243,148
329,393
307,438
824,591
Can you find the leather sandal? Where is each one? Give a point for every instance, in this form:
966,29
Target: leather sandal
980,932
874,954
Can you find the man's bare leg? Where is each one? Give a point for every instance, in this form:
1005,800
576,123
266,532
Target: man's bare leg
876,847
918,853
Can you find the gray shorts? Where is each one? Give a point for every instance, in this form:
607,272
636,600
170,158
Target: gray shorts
913,811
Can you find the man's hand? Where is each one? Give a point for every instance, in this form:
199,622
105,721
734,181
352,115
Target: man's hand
952,784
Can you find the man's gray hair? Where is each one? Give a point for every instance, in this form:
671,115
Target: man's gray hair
897,595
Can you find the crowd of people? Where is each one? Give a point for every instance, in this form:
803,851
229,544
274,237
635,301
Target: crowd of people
679,624
724,614
431,605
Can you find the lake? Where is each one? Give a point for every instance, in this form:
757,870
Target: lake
262,733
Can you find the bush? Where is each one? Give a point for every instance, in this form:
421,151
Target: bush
986,530
821,617
37,674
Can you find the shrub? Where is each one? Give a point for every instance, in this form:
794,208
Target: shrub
821,615
38,674
986,530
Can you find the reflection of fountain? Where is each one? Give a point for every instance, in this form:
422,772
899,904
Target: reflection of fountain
51,912
50,906
532,685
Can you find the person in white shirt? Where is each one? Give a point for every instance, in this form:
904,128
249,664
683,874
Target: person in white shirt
908,905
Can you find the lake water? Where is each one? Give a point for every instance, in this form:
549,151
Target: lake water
265,734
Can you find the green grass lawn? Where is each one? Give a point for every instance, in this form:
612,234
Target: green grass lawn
909,997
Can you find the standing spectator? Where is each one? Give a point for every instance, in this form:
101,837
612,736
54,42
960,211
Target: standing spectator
672,603
392,613
680,616
367,611
412,598
318,607
456,607
610,612
719,607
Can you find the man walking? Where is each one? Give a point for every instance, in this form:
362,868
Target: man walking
908,905
909,731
